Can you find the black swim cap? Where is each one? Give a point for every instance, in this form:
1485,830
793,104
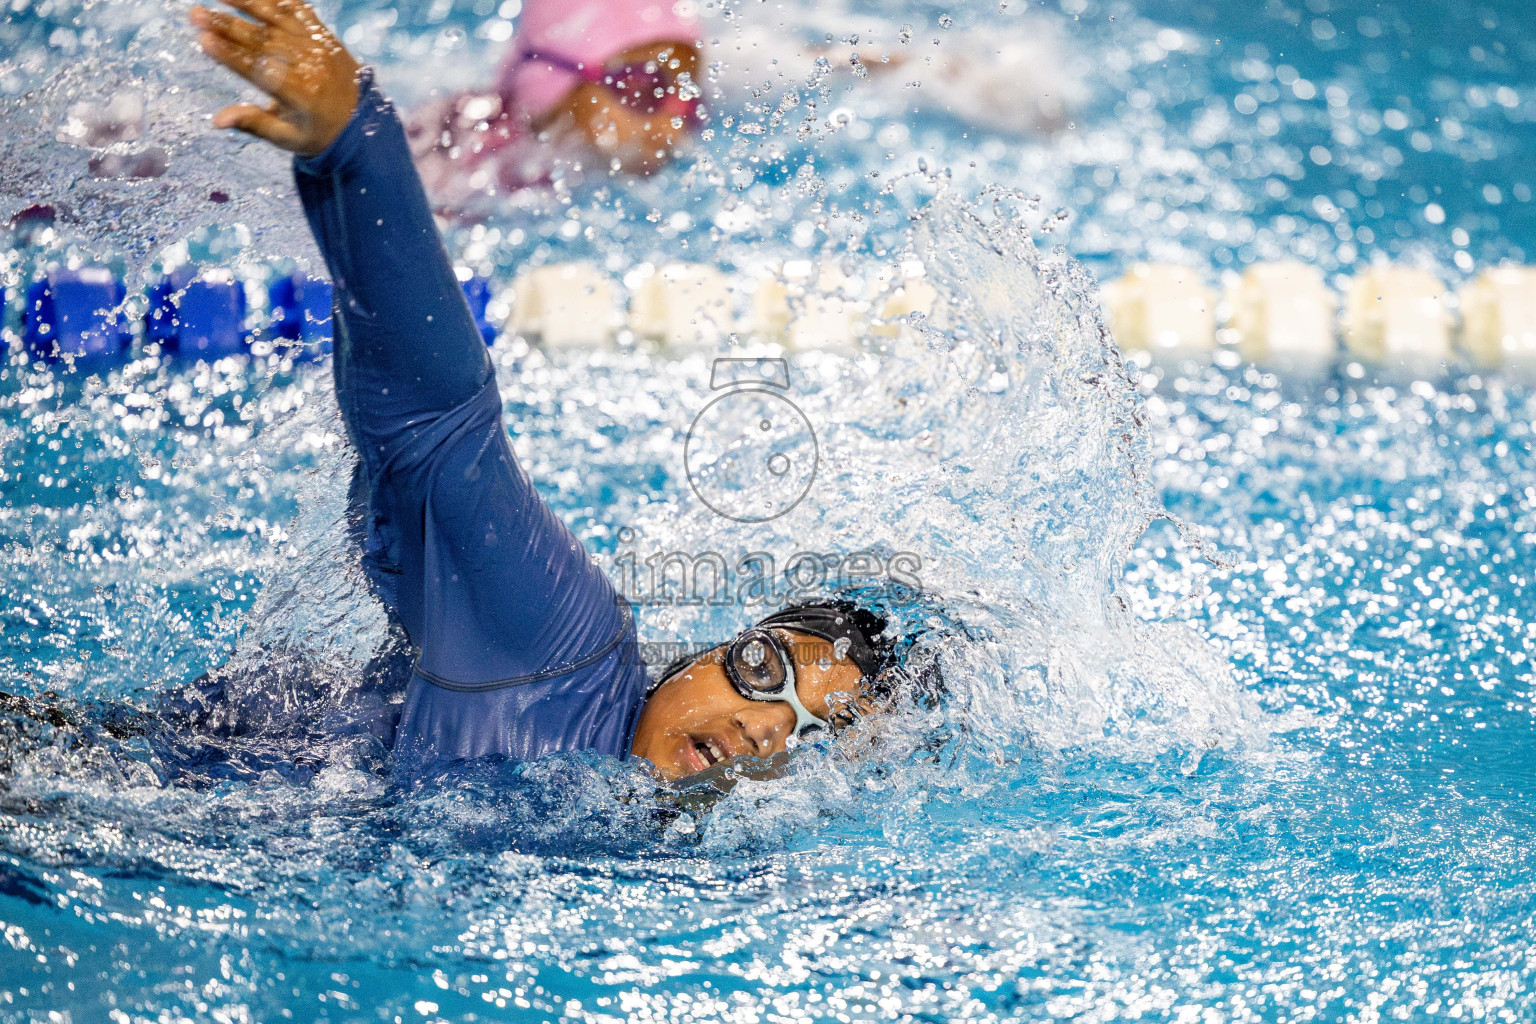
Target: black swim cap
835,621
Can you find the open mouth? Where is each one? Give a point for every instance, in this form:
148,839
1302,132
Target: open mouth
710,754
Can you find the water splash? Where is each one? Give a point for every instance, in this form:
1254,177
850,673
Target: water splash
105,109
1000,445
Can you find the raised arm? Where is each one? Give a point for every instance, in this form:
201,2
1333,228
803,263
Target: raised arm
408,343
524,648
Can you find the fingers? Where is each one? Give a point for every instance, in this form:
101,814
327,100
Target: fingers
276,13
281,47
249,34
264,123
306,18
266,71
294,15
239,115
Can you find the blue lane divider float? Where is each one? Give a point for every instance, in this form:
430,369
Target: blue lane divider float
478,291
198,317
1283,314
76,312
301,315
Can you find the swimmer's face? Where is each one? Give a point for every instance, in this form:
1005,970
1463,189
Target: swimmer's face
618,127
697,719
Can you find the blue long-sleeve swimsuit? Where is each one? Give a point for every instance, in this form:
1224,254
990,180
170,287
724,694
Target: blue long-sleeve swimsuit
522,645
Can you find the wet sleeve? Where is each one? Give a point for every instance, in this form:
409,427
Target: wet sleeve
412,348
488,582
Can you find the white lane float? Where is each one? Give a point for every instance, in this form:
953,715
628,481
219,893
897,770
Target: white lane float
768,308
809,308
829,321
913,296
564,305
901,294
1498,318
683,305
1163,309
1397,315
1282,314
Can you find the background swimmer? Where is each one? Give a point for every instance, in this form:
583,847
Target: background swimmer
612,85
600,85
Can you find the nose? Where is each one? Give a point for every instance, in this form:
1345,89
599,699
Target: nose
766,726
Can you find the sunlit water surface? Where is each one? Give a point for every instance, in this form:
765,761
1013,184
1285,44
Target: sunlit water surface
1264,760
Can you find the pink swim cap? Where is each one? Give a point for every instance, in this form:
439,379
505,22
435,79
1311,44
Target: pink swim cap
589,32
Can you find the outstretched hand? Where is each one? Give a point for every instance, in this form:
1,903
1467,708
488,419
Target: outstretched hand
284,50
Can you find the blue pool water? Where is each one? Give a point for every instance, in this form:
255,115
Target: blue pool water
1267,760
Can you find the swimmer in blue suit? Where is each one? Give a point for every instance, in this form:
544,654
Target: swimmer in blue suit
522,646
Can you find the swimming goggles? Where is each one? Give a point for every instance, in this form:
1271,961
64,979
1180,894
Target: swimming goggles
760,668
649,92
